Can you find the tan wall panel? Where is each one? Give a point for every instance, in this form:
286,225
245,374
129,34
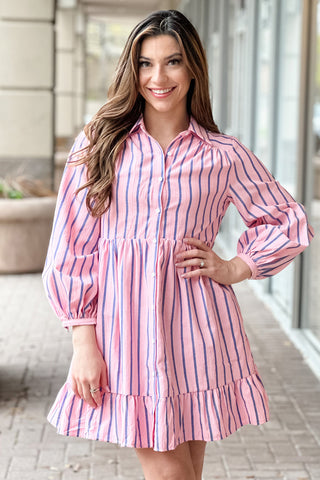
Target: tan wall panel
65,24
80,50
26,52
27,9
79,111
65,81
80,80
26,124
65,116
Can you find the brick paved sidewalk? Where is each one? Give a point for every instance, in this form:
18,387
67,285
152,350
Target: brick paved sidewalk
35,353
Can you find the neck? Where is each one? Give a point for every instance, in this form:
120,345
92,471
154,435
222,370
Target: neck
165,125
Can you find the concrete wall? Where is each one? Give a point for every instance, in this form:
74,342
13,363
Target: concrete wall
26,86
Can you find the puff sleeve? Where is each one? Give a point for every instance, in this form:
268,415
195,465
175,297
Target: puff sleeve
278,228
70,275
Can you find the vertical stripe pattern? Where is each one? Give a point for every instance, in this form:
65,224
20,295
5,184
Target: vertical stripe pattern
178,359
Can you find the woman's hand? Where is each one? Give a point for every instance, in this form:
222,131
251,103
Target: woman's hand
221,271
88,368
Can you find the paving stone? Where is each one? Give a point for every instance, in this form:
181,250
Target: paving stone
253,474
78,448
214,477
304,440
296,475
36,475
242,462
261,455
4,465
314,470
295,465
75,475
212,471
30,435
20,463
51,458
103,472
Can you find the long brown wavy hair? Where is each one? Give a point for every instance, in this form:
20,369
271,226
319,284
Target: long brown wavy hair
108,129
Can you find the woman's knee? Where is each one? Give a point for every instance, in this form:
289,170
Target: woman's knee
177,472
171,465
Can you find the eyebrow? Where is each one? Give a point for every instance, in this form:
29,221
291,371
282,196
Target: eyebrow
166,58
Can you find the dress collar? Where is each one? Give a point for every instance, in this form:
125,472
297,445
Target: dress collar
194,128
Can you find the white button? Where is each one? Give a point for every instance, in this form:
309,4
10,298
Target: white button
160,179
158,210
169,153
153,274
154,240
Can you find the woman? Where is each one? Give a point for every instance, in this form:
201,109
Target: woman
161,360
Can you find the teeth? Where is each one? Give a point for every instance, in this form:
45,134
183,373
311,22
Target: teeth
164,90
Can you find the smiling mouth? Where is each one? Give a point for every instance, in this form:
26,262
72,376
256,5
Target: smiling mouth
161,91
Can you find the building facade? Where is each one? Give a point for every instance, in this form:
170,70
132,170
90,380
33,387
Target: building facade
264,63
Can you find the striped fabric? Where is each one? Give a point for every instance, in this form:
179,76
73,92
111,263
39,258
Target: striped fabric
178,359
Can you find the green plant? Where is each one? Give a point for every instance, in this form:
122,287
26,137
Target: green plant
23,187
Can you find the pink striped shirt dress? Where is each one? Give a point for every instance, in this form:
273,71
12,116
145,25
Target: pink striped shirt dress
178,359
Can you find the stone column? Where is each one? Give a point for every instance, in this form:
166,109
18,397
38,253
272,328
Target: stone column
26,87
70,55
70,84
65,76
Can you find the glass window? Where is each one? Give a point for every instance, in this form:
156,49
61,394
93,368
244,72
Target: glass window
288,94
230,57
313,291
286,125
214,15
264,83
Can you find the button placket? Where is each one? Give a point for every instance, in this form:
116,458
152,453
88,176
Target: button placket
153,274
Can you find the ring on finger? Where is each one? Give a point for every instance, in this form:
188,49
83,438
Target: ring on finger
94,389
201,264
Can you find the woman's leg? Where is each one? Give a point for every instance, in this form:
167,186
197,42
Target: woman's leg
171,465
197,451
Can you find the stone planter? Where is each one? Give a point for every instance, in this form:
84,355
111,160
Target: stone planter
25,227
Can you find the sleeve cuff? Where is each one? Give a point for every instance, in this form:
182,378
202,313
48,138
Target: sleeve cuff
251,264
73,322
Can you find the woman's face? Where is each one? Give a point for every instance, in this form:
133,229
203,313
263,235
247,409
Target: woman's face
164,78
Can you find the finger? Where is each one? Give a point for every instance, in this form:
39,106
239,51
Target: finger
79,388
197,242
194,262
195,273
87,396
74,387
104,379
191,253
97,397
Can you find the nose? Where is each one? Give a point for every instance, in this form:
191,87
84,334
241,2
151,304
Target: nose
159,75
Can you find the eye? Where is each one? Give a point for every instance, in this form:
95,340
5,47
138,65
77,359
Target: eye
144,64
175,61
